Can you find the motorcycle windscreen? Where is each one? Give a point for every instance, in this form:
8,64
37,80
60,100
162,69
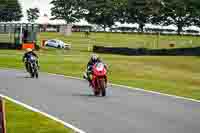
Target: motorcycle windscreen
100,66
99,69
32,58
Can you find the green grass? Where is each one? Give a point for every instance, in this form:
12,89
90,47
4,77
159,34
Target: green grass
80,42
21,120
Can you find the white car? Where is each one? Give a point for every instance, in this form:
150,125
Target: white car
57,44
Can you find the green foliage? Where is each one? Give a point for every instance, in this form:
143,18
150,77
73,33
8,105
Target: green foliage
33,14
68,10
121,10
196,19
21,120
101,12
140,11
181,13
10,11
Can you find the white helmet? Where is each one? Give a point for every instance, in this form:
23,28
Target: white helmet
94,57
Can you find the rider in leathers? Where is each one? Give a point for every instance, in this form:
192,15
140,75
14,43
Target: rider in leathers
93,60
27,55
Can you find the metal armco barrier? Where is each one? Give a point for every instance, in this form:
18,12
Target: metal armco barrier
195,51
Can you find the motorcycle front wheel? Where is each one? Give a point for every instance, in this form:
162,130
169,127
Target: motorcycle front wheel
36,73
102,86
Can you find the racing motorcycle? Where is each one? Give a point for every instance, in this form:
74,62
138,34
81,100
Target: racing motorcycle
99,79
33,67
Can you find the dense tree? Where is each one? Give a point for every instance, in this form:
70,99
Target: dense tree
181,13
3,5
140,11
33,14
196,19
99,12
104,12
10,10
68,10
121,9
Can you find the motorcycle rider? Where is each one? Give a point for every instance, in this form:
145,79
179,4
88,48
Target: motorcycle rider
93,60
26,57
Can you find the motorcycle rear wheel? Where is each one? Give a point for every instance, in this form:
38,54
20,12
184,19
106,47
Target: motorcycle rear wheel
36,74
103,92
96,93
32,75
31,71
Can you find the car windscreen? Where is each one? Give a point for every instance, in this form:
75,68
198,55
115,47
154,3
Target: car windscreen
53,41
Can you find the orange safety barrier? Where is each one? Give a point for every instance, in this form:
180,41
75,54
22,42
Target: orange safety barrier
28,45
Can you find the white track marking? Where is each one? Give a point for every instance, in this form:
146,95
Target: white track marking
123,86
43,113
138,89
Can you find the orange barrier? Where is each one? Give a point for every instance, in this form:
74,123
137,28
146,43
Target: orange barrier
28,45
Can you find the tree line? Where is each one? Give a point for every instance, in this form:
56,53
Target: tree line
105,13
10,10
181,13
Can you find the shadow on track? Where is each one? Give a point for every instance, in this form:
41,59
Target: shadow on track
87,95
23,77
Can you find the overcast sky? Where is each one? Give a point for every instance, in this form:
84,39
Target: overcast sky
43,5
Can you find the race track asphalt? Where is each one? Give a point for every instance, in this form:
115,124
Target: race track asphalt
122,111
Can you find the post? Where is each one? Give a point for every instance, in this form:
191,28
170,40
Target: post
89,41
2,116
21,33
158,39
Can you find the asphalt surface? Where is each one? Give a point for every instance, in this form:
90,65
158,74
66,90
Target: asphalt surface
122,111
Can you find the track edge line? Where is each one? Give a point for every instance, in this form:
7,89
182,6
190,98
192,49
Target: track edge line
138,89
123,86
77,130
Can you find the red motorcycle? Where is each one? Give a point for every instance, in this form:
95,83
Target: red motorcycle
99,79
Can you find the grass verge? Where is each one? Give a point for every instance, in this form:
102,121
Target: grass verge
21,120
80,42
